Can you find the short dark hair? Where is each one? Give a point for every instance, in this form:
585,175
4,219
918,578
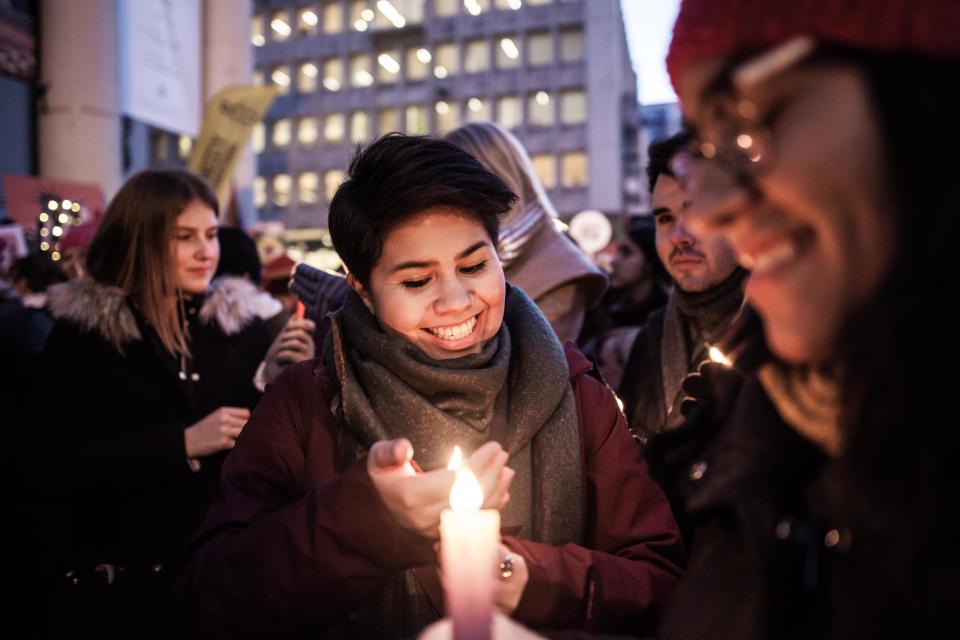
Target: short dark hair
660,154
37,271
238,255
397,177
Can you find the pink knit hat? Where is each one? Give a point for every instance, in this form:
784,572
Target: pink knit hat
79,236
710,28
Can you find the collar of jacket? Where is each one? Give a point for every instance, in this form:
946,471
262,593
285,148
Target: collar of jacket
230,304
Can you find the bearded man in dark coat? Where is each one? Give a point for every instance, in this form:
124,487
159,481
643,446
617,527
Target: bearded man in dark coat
707,294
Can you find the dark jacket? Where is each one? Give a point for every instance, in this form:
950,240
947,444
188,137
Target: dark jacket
748,492
641,387
292,546
108,442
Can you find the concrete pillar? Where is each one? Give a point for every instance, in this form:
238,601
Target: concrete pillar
228,59
79,122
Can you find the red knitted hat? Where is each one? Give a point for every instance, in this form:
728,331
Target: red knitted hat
710,28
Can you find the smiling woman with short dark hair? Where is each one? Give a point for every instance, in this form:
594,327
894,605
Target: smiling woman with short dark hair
331,501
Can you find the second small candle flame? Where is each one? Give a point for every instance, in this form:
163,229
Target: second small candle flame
719,357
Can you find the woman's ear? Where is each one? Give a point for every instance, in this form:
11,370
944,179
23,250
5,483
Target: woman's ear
361,291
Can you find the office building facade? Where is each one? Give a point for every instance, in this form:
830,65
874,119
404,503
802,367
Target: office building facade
555,72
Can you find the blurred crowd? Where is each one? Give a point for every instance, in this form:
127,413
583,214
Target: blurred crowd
731,428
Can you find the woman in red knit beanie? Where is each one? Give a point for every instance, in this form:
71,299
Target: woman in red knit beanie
824,502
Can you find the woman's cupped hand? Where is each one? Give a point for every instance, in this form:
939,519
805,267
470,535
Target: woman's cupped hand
416,499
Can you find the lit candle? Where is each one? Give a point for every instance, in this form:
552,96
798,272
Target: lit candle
469,544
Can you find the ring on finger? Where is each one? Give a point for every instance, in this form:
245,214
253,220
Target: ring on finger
506,566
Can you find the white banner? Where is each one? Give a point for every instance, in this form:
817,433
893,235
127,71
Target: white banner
160,62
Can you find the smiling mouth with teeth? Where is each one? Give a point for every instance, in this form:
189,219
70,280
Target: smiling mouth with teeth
455,332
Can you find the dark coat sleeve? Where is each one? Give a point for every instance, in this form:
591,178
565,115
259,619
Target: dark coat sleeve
71,451
285,548
632,557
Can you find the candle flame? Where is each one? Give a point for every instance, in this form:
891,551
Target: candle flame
466,494
718,356
456,459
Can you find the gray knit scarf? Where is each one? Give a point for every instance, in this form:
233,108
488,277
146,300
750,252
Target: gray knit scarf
515,391
690,321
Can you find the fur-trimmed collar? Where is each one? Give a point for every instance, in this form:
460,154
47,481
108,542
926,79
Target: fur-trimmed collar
231,303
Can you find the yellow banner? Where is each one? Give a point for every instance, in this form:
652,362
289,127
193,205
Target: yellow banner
228,119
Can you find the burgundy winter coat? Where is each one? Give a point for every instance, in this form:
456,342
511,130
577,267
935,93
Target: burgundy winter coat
292,546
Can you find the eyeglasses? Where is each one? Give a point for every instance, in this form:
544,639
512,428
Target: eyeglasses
732,134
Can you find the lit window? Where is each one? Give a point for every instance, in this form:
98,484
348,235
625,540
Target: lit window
573,169
418,122
332,17
332,74
307,132
308,188
282,133
334,127
545,166
508,4
307,20
259,192
396,14
361,15
388,120
388,66
476,7
307,73
257,37
280,26
259,137
571,45
539,49
448,116
509,112
445,8
540,109
359,126
446,62
280,77
360,71
477,110
184,146
418,63
508,53
476,56
331,180
281,189
573,107
534,3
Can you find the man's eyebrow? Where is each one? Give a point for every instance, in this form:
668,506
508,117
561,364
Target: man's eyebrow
660,210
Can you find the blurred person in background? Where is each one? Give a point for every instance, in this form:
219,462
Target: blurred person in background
706,295
145,383
74,247
638,287
545,263
825,500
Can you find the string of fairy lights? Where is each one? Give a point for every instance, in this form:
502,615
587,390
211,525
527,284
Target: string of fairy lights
53,222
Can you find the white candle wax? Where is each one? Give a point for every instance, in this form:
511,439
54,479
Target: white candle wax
469,550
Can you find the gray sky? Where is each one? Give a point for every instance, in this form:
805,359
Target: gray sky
649,24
